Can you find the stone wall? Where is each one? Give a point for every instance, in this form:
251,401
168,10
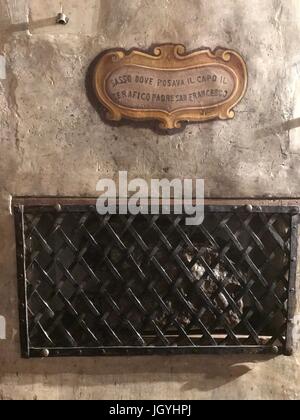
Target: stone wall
53,142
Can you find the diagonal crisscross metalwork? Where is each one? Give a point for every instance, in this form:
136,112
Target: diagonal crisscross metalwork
121,283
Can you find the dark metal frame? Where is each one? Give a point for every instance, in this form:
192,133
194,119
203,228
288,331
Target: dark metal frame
31,206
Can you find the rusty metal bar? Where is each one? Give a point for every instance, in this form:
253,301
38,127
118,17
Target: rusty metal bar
22,288
292,284
257,201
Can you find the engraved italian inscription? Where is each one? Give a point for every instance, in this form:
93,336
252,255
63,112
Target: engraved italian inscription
170,86
140,88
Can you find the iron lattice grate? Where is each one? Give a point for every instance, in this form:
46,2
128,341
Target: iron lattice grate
92,285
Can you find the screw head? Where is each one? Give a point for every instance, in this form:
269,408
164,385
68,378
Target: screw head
45,353
275,350
58,208
249,208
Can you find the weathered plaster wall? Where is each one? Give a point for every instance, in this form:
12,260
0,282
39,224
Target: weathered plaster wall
53,142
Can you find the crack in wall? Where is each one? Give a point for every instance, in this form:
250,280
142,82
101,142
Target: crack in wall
13,104
13,13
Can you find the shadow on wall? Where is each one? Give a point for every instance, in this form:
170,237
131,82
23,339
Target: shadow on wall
203,373
25,26
277,129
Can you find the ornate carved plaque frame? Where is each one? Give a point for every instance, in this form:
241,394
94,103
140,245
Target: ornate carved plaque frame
170,85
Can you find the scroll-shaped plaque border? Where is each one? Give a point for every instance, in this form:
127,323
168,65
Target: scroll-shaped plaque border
171,57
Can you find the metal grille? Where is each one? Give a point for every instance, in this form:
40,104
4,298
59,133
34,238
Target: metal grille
95,285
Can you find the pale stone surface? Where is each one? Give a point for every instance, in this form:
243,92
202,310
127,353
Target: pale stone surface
54,143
